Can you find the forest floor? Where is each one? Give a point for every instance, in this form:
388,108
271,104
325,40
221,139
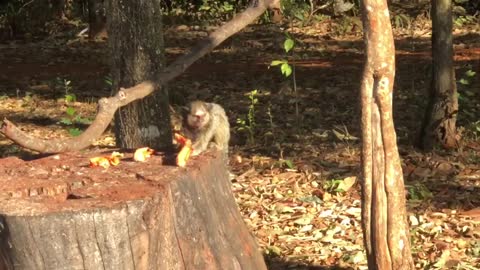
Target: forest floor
296,180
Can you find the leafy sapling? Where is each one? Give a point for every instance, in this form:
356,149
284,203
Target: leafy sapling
248,123
72,117
288,70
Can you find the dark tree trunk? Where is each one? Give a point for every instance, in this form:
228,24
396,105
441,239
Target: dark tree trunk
439,125
158,217
386,232
59,9
97,20
135,37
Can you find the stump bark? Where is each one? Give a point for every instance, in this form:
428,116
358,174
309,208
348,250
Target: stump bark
58,213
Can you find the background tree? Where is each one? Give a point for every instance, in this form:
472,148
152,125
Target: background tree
137,52
386,232
439,125
96,19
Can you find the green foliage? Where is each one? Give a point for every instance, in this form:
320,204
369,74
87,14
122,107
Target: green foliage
288,70
74,132
27,100
286,162
332,186
288,44
72,118
294,9
248,124
418,192
468,102
70,98
217,9
285,67
464,20
108,80
204,10
70,111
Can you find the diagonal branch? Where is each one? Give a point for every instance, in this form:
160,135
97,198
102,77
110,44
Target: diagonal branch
108,106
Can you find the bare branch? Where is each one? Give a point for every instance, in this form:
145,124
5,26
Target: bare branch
108,106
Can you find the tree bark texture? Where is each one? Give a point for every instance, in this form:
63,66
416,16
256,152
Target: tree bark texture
386,232
57,213
439,125
137,52
97,20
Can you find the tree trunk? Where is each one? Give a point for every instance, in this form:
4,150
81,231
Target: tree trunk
57,213
385,226
439,126
135,37
97,21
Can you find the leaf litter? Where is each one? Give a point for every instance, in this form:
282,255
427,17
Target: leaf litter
297,186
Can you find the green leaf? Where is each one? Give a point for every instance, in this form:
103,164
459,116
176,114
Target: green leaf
108,80
277,62
299,16
464,81
82,120
70,98
74,132
66,121
288,44
286,69
289,164
274,250
70,111
470,73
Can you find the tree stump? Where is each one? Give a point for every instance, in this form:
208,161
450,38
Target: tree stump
58,213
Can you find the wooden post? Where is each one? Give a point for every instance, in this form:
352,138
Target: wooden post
58,213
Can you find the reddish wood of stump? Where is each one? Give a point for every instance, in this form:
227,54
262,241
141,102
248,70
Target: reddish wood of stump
58,213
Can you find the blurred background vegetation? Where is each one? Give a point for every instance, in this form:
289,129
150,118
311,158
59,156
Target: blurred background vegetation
34,18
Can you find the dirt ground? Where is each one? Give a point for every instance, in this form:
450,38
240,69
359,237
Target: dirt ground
288,182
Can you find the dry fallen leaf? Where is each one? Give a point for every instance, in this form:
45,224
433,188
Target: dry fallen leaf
142,154
347,183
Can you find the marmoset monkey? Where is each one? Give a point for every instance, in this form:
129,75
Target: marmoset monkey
206,124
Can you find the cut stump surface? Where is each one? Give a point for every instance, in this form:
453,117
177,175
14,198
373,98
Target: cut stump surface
58,213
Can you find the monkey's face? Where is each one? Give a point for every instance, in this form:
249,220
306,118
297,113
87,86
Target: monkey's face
198,118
